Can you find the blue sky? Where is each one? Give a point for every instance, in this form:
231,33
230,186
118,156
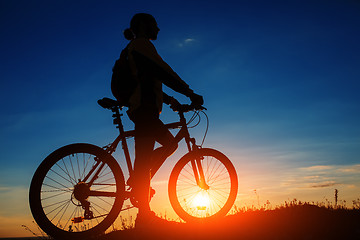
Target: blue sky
280,81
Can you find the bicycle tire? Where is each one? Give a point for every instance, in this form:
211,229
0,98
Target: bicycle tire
193,204
55,180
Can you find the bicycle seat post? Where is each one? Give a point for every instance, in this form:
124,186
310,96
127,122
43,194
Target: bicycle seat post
117,121
117,118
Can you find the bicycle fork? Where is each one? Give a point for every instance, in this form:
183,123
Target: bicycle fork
195,163
197,166
199,173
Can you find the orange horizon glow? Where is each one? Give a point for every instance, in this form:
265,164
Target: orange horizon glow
268,191
273,186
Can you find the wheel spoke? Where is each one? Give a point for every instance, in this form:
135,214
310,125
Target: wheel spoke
61,176
85,165
56,182
72,167
57,189
52,196
101,199
73,180
64,203
191,201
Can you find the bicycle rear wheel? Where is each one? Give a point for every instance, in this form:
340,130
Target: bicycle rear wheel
77,192
201,202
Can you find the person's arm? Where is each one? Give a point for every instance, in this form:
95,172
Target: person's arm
167,99
174,104
143,48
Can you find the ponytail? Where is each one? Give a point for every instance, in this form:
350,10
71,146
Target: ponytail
129,34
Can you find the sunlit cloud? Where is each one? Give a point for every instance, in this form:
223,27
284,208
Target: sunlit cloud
4,189
189,40
186,41
324,184
323,176
317,168
350,169
312,184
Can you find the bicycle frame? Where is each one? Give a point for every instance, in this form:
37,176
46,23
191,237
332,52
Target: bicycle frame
123,135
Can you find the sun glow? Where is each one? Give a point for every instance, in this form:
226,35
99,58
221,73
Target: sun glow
201,201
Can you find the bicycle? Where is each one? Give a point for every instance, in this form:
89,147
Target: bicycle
79,189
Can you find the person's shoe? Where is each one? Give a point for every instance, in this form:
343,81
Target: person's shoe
134,193
147,219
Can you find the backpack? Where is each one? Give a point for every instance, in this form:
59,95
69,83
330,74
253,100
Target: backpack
123,83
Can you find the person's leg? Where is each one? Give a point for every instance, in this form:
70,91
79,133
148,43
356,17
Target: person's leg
169,146
144,145
148,129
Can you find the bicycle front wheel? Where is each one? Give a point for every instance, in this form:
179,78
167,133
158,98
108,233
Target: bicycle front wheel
77,192
208,199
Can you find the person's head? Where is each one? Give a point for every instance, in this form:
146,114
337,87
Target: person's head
142,25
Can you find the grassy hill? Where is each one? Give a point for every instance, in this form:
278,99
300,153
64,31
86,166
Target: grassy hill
294,221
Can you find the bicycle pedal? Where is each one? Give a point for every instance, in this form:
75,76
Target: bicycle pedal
77,219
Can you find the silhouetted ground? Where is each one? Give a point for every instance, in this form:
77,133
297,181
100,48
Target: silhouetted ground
290,223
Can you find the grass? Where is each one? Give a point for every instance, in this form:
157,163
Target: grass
41,235
292,220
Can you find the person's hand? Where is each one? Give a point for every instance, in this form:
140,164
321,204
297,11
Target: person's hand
196,100
174,104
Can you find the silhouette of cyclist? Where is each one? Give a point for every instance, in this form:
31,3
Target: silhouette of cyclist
145,105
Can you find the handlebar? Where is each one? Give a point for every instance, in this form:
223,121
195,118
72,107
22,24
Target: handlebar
187,108
181,108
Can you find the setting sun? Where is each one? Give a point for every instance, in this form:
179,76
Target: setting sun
201,200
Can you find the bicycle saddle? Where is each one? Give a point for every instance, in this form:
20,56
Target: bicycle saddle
109,103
